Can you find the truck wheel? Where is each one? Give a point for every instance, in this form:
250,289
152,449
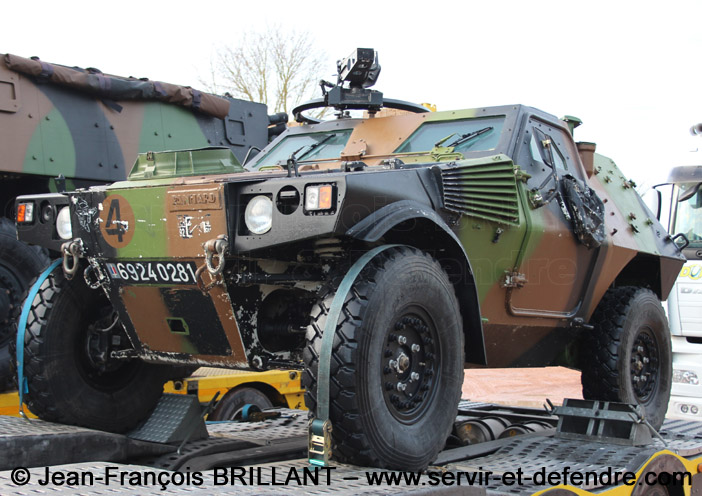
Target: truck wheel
232,404
396,365
71,380
19,264
627,357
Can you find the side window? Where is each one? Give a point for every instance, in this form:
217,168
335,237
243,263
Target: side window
544,149
559,153
558,159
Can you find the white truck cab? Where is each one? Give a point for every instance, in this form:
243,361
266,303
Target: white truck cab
679,203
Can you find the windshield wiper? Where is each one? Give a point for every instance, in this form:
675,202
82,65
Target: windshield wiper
469,136
313,146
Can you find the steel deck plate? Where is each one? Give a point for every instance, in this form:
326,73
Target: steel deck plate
531,454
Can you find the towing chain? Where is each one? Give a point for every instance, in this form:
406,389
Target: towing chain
94,276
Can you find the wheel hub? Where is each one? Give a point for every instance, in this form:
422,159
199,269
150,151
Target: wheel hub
410,365
101,337
644,365
403,363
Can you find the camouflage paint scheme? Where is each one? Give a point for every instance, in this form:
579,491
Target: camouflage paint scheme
525,282
49,128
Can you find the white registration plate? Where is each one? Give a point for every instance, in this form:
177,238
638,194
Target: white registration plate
153,272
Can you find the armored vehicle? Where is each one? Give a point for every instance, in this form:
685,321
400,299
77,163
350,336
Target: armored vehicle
382,255
88,127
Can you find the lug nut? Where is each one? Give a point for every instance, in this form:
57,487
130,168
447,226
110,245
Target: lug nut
646,360
415,348
402,340
414,376
401,386
393,364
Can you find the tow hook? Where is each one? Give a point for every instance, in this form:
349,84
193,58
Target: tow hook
72,251
218,247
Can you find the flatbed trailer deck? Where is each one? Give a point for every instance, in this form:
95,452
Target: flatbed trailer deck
269,457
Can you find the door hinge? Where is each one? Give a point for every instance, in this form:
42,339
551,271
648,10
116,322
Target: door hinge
513,280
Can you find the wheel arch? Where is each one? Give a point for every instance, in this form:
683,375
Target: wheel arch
411,223
644,270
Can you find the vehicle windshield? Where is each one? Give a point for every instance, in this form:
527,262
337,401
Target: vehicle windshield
688,218
464,135
313,146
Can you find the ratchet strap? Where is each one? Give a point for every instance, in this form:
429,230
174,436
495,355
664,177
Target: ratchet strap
319,440
22,384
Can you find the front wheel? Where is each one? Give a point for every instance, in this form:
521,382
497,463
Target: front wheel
397,362
71,377
19,265
627,357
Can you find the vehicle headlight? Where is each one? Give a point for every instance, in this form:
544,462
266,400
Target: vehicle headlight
63,224
685,377
259,214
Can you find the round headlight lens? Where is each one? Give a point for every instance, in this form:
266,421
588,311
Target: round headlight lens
63,223
259,214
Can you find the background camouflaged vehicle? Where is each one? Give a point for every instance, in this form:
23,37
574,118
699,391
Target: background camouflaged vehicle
513,246
89,128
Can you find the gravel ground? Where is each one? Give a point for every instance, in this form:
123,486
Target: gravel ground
522,387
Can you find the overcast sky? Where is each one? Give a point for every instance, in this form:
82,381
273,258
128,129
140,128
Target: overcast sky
629,69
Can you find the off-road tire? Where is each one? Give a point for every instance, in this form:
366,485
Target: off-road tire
630,327
400,287
231,405
64,386
19,265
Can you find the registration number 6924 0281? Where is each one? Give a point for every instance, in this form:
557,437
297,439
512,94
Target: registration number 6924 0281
153,272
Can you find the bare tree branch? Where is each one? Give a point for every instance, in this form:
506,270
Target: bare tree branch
278,67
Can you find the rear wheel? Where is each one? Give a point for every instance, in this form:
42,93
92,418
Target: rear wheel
628,357
231,406
71,376
397,362
19,265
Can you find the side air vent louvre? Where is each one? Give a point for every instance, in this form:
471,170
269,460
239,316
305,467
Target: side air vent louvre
484,190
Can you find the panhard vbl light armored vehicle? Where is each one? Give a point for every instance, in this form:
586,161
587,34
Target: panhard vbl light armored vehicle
382,255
